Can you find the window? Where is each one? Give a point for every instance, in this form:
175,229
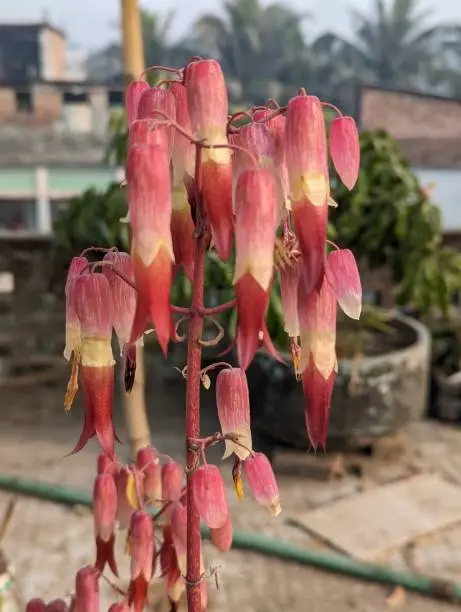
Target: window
115,97
24,101
75,97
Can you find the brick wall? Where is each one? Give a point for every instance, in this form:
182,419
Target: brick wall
406,115
47,104
428,128
7,105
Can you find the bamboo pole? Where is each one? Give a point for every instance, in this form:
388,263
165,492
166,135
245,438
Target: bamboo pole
134,403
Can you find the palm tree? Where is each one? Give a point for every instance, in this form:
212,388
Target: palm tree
395,45
158,46
260,47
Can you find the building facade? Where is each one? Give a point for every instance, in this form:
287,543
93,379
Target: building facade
31,52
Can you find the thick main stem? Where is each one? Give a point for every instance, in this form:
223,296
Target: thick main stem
194,364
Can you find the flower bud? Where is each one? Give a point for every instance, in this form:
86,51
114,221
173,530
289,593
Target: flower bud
105,514
36,605
233,403
345,149
87,590
94,309
262,483
344,278
147,462
209,493
57,605
141,544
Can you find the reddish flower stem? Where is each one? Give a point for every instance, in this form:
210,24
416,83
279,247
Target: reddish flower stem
206,312
194,366
333,107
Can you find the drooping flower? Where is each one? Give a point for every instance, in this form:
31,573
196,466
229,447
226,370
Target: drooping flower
208,108
86,590
57,605
289,282
179,534
133,93
183,165
149,199
343,276
172,483
345,149
73,340
94,310
262,483
259,142
174,583
147,462
106,465
183,159
307,163
317,320
158,105
256,210
105,513
209,493
221,537
233,403
124,308
129,481
276,125
72,349
142,133
119,606
141,545
36,605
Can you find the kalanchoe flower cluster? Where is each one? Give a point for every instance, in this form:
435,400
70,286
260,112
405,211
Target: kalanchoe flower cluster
198,179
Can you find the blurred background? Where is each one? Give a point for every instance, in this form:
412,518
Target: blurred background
392,468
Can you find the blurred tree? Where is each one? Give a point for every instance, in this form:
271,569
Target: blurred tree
394,45
261,47
158,46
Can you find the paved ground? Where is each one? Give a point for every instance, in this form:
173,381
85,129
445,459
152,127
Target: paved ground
47,543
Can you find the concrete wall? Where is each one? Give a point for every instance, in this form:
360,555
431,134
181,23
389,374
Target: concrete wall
52,55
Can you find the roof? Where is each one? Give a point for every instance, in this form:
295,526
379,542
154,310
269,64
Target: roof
42,25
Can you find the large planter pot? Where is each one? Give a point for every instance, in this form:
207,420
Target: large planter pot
374,396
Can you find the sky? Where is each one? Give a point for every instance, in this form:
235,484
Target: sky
92,23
